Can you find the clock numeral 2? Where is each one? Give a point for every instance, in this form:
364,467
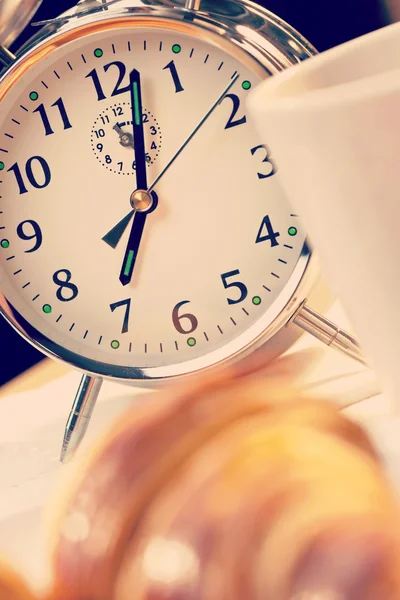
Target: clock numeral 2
127,305
267,159
232,122
172,67
270,235
31,176
45,119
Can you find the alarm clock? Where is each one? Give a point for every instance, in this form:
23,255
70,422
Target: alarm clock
144,234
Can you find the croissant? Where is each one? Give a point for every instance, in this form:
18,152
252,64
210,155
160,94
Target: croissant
227,486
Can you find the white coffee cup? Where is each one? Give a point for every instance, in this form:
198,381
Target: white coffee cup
333,127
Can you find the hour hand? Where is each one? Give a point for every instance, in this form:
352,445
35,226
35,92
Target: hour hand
125,139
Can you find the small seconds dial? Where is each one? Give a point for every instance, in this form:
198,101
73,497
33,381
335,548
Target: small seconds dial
112,140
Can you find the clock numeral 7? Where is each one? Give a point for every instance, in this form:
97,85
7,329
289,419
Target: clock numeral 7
45,119
127,305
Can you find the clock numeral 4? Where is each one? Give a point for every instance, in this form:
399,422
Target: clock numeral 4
127,305
267,159
234,284
45,119
67,291
33,166
269,235
191,322
232,121
175,77
23,231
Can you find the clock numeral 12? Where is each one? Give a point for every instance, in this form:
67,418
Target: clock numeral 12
45,119
172,67
127,305
31,176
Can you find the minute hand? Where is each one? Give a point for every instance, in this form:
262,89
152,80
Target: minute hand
191,136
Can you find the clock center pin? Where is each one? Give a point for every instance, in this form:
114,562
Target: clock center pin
142,201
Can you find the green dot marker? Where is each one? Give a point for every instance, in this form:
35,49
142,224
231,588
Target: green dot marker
47,309
33,96
5,244
292,231
98,53
115,345
256,300
2,165
176,48
246,85
191,342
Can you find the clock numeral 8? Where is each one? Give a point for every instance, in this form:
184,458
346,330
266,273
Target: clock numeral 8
177,319
65,284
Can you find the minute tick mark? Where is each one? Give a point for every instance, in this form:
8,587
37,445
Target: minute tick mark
72,326
275,275
2,150
83,58
191,54
219,329
176,345
220,66
282,261
100,340
86,332
206,58
129,46
15,121
69,64
245,311
233,321
57,75
113,48
287,246
9,135
59,318
206,336
35,298
266,288
10,257
45,85
161,46
18,272
24,108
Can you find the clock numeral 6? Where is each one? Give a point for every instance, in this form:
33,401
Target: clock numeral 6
270,235
267,159
234,284
127,305
177,319
36,235
36,168
67,291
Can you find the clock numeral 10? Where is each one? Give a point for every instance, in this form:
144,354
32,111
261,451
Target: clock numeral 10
127,305
45,119
33,178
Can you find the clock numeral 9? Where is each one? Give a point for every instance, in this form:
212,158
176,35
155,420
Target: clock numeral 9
127,305
234,284
236,105
266,159
45,119
36,235
32,177
117,89
270,235
177,319
67,291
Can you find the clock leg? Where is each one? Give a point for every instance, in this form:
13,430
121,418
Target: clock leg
79,417
327,332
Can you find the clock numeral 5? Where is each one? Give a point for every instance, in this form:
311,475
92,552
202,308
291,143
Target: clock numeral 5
267,159
177,320
127,305
234,284
232,122
32,176
45,119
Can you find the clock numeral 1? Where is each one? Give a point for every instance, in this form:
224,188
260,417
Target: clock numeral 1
270,235
234,284
31,176
172,67
65,284
177,319
266,159
36,235
45,119
236,105
127,305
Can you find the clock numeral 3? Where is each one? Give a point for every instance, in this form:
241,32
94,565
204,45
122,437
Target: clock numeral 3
36,235
267,159
31,175
234,284
172,67
270,235
45,119
236,105
177,319
65,284
127,305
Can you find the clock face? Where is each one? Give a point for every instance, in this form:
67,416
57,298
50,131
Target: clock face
86,126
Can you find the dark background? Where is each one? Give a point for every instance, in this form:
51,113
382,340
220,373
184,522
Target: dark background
325,23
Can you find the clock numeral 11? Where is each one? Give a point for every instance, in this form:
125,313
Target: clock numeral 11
45,119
